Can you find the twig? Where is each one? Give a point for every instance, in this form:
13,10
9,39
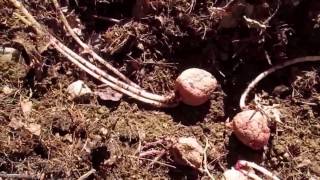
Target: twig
89,49
87,174
265,73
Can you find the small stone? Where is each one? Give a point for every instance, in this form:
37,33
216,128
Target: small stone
78,89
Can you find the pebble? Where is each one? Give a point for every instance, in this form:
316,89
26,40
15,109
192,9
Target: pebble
78,89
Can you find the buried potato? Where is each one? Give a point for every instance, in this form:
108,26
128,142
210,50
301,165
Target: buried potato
194,86
251,128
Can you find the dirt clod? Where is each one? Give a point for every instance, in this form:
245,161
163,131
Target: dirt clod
187,152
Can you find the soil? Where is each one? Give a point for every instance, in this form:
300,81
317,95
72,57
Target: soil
151,42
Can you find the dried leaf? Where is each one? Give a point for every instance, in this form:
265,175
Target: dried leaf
34,128
15,124
26,107
109,94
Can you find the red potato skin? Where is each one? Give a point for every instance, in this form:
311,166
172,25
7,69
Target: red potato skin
194,86
251,128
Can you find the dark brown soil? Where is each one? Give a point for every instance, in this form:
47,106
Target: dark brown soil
151,44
